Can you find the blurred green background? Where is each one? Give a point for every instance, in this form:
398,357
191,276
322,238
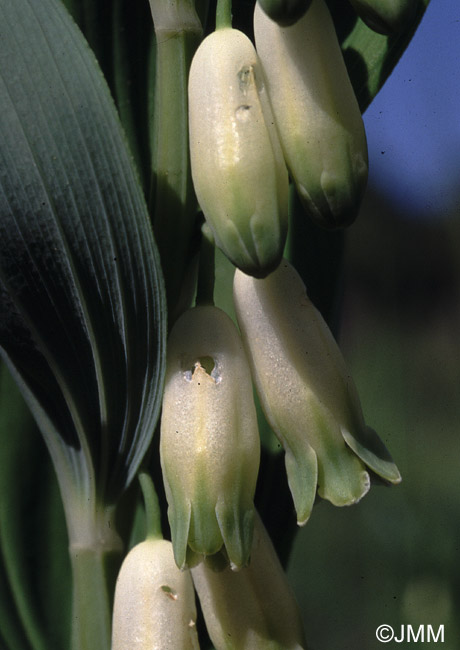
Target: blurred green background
394,557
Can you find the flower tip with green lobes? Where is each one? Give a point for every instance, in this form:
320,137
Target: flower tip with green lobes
285,12
307,393
386,16
209,445
335,202
154,606
316,112
238,169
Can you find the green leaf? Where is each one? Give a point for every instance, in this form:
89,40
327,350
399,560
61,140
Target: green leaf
17,463
82,322
34,567
370,57
12,636
18,621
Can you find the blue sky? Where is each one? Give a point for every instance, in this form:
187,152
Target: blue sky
415,119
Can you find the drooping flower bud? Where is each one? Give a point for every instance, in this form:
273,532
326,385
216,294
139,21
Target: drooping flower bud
307,393
316,112
385,16
238,169
154,606
209,444
251,609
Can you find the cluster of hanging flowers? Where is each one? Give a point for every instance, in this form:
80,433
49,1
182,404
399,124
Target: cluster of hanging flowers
258,115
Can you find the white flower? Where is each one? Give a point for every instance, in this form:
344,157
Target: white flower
238,169
209,444
316,112
154,606
307,393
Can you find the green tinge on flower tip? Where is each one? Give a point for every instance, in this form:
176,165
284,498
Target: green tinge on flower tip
203,527
365,442
252,242
342,477
302,475
236,521
205,534
238,170
385,16
209,445
307,394
368,446
330,468
194,532
334,201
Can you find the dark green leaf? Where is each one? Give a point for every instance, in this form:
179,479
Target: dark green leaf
82,322
34,566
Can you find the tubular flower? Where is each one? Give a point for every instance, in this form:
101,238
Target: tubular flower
209,438
385,16
316,112
307,394
154,606
238,169
252,609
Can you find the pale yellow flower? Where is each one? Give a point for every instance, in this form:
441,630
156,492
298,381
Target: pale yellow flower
316,112
238,169
209,444
307,393
154,606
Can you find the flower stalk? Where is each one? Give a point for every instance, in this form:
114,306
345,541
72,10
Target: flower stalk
172,198
223,14
206,268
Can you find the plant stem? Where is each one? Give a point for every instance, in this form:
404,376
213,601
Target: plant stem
172,198
317,255
223,14
206,270
95,563
152,507
91,613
